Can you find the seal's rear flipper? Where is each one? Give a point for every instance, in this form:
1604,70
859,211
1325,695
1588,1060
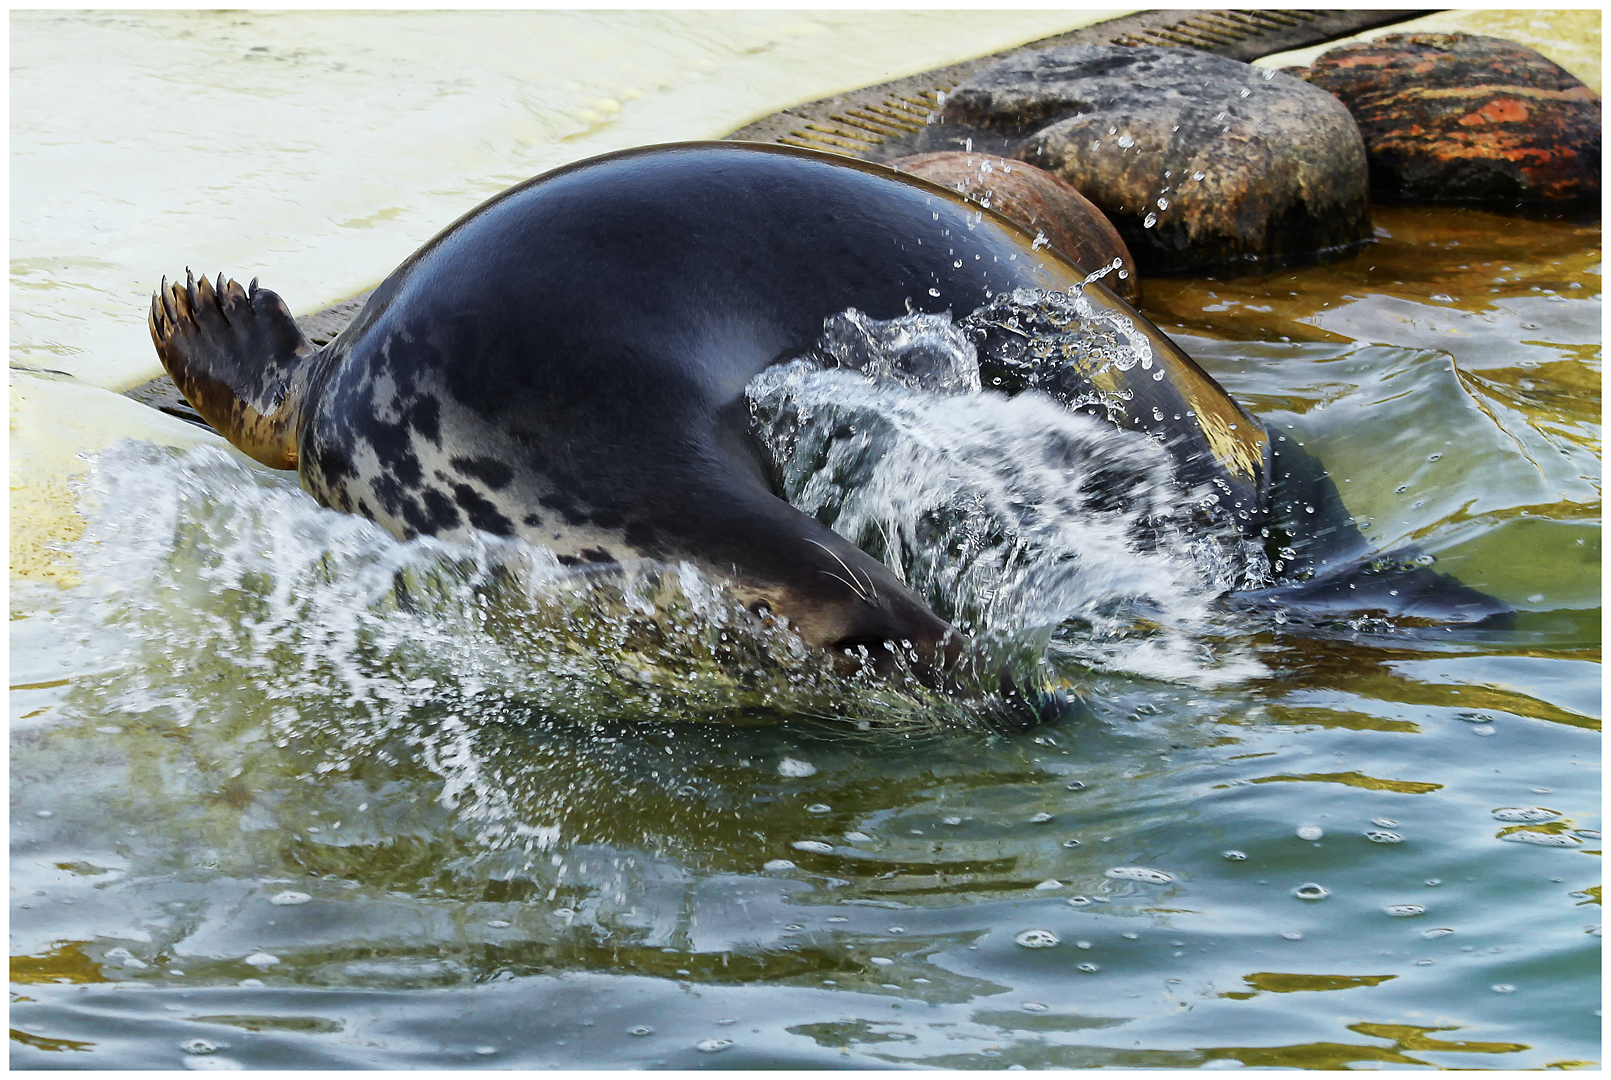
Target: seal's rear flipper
235,353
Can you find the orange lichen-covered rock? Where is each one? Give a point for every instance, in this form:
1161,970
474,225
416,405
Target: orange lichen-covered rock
1464,118
1038,201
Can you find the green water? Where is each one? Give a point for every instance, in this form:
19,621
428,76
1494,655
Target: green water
463,884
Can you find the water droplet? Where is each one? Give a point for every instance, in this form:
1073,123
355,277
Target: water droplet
1502,988
793,766
1526,813
1033,1006
814,846
1075,785
198,1046
837,919
1244,92
1040,819
44,813
712,1046
499,924
934,292
778,865
640,1030
1486,730
1198,175
881,961
1082,944
1235,856
1436,932
1126,141
957,265
1384,822
818,808
1149,221
1088,968
1404,911
1310,832
1382,836
1292,935
1071,842
1078,901
1138,873
261,960
289,898
1037,939
1048,885
857,837
1163,203
1311,891
952,821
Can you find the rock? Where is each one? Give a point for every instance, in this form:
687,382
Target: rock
1203,163
1463,118
1038,201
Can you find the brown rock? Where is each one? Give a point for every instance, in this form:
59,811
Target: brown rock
1463,118
1203,163
1038,201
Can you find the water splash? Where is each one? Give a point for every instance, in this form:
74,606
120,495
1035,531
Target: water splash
1030,526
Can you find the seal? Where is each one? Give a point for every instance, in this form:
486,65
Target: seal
566,364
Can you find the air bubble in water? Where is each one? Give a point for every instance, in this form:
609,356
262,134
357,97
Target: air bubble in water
1138,873
795,767
1311,891
1485,730
815,846
1436,932
1382,836
1079,901
1310,832
818,808
778,865
1088,968
1384,822
261,960
1527,814
1037,939
1234,855
1033,1006
1541,839
1404,911
289,898
1292,935
1049,884
1041,818
1071,843
711,1046
640,1030
1502,988
499,924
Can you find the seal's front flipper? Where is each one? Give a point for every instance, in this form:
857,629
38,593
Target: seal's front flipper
236,354
1399,584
